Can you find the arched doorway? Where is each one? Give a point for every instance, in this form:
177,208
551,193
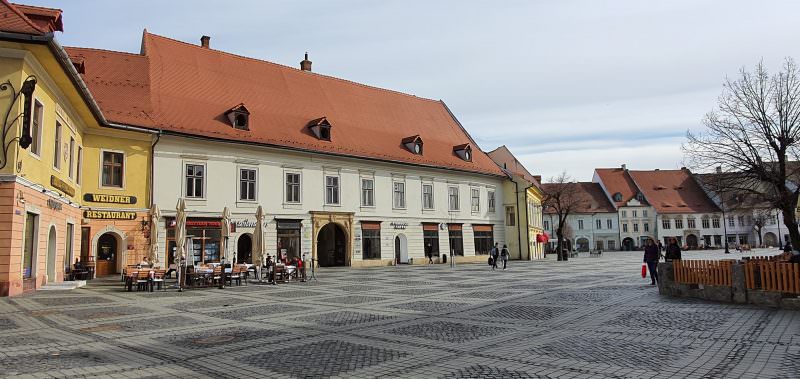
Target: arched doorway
770,239
331,246
400,249
51,255
627,244
107,254
582,244
244,249
691,241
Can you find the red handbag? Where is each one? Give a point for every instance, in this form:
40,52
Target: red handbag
644,270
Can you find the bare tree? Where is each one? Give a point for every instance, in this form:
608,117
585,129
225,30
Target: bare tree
755,133
761,217
562,198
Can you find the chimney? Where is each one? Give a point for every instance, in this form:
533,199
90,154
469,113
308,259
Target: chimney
305,64
538,178
205,42
624,167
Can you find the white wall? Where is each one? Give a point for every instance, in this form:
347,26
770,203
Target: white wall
222,162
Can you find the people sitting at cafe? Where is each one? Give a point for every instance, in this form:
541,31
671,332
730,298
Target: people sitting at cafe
144,263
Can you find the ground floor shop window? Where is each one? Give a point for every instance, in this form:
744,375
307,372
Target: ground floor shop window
31,225
371,240
612,245
484,239
289,239
598,245
456,239
204,243
85,241
430,234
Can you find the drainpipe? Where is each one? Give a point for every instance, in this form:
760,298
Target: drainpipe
519,232
153,166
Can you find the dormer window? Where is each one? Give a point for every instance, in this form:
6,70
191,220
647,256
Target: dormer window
413,144
640,197
617,197
464,152
239,117
321,128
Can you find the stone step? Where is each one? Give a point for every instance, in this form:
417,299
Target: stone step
62,286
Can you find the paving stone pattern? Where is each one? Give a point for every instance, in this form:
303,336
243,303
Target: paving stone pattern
586,318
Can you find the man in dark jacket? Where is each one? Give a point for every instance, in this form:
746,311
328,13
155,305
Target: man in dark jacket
651,259
673,250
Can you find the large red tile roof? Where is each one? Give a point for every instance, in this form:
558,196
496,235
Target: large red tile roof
673,191
46,19
185,88
590,198
617,180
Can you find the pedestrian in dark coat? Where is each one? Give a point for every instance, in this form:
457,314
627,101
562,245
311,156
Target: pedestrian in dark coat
504,255
651,255
673,250
495,253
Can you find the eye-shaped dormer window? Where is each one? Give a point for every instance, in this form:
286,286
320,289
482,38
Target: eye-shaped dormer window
321,128
239,117
464,152
413,144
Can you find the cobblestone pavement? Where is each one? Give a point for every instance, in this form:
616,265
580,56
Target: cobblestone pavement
586,318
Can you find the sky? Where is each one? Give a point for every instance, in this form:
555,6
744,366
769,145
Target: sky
566,85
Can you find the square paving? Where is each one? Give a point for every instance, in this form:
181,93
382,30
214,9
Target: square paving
586,318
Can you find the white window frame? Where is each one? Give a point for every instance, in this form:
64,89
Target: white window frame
610,223
39,140
453,206
124,168
337,188
474,206
402,196
71,161
58,136
185,177
371,193
79,166
299,174
433,196
580,224
491,200
239,183
599,224
635,227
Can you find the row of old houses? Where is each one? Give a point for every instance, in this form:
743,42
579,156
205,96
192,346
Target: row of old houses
620,209
101,145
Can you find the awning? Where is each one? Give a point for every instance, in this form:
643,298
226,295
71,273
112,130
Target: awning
482,228
430,226
370,225
454,226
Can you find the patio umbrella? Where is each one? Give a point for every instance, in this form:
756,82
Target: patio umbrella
226,233
155,215
180,239
258,241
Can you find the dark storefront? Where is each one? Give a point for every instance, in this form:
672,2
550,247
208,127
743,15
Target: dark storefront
371,239
430,234
456,239
289,238
484,239
204,247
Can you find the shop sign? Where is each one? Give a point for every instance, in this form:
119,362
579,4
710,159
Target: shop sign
244,223
54,204
202,224
110,215
61,185
398,225
106,198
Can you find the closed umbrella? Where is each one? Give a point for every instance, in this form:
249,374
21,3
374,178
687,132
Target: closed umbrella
226,233
180,240
258,241
155,215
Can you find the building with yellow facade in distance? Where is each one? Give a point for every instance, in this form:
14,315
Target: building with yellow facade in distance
523,207
66,192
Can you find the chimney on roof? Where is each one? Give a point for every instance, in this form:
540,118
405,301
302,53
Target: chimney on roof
538,178
624,166
205,42
305,64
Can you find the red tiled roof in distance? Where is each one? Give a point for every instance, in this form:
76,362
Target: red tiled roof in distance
673,191
617,180
13,20
190,88
503,157
591,197
46,19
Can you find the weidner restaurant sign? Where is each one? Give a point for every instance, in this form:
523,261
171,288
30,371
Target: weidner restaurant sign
106,198
110,215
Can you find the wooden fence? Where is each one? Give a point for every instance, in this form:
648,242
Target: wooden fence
716,273
773,276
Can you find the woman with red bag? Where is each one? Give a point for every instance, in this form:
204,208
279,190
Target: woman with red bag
651,259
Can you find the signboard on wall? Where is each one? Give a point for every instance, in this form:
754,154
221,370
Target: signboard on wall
61,186
110,215
107,198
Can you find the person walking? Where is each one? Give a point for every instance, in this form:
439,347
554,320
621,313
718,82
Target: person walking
651,255
429,253
504,255
673,250
495,253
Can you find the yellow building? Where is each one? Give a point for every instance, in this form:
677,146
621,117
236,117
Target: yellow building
523,196
61,159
